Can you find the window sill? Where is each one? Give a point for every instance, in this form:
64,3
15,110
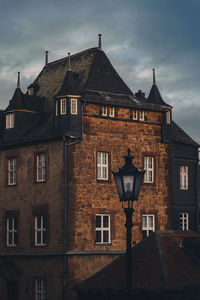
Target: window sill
103,244
41,245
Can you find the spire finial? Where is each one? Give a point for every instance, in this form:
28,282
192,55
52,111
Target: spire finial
46,57
100,44
69,62
18,80
154,76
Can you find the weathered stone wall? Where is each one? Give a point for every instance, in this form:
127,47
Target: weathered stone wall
87,196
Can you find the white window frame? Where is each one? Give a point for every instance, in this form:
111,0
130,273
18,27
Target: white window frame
184,221
41,230
40,289
9,120
11,231
104,111
63,106
102,165
41,167
149,167
141,115
103,229
12,171
135,114
183,177
111,112
74,106
146,225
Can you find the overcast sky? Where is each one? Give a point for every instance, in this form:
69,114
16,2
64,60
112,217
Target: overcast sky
138,35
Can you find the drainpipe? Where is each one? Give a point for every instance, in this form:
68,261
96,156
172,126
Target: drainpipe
65,272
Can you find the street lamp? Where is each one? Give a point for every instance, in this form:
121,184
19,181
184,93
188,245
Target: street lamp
128,181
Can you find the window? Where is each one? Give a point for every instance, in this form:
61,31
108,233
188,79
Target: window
40,289
74,107
135,115
11,239
148,225
9,121
63,107
102,229
57,103
141,115
102,166
30,91
12,171
41,167
111,112
104,111
40,231
184,221
149,167
184,177
168,117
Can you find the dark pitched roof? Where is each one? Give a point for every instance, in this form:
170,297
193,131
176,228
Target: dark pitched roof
70,85
155,96
165,259
180,136
94,71
21,101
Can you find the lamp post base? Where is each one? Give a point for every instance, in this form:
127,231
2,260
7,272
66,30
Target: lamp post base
129,224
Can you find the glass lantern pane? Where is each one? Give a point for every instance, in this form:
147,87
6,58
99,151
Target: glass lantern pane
128,185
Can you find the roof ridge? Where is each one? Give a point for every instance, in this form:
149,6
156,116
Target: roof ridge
72,55
164,269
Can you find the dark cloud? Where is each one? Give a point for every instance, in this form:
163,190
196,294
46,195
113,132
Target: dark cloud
138,35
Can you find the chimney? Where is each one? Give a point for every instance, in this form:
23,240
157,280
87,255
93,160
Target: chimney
154,77
46,57
140,95
69,62
18,80
100,44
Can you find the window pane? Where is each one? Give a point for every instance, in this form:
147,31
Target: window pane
144,221
105,236
105,221
38,237
98,236
98,221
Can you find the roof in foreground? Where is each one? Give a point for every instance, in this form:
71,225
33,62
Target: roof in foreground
165,259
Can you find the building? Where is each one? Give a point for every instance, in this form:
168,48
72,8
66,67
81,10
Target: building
61,220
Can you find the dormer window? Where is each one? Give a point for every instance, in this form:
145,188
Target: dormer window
168,117
63,107
9,120
74,107
30,91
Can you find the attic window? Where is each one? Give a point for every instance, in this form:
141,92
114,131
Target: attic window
30,91
141,115
9,120
168,117
63,107
111,112
74,107
104,111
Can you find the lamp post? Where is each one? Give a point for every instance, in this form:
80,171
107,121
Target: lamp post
128,181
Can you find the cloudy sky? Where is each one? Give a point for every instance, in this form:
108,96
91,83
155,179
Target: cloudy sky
138,35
